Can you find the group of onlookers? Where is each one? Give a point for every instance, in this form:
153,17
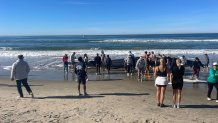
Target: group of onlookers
159,65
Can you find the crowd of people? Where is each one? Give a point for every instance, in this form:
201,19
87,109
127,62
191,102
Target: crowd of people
164,68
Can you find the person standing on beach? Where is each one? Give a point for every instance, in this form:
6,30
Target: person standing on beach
207,61
140,67
129,64
72,59
19,72
213,81
97,60
177,82
184,61
196,68
108,64
86,59
80,71
65,61
160,82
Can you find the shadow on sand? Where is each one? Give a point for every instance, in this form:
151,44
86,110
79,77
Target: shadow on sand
199,106
7,85
125,94
70,97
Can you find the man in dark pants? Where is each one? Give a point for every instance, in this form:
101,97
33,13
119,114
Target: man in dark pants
80,70
20,70
98,62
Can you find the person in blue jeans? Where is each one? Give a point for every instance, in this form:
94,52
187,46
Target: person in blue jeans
213,81
20,70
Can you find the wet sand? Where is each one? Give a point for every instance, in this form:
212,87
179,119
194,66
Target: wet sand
110,100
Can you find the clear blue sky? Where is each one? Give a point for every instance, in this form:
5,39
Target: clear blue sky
59,17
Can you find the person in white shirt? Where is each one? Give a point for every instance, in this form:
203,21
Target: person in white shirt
19,72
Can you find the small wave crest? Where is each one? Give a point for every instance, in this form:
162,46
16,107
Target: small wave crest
153,40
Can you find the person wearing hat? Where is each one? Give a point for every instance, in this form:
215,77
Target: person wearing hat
213,81
19,72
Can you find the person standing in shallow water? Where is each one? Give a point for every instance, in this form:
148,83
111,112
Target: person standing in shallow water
207,61
20,70
196,68
108,64
161,82
98,63
65,61
177,82
213,81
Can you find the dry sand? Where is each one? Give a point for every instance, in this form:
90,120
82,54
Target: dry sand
113,101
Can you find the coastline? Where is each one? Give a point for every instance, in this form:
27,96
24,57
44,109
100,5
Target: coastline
110,100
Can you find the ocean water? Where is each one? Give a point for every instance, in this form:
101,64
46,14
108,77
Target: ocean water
45,52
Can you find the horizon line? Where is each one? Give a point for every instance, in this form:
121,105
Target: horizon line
112,34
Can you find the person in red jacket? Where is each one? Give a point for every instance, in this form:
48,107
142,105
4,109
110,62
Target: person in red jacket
65,61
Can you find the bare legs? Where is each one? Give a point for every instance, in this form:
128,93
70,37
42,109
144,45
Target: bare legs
177,97
84,88
160,95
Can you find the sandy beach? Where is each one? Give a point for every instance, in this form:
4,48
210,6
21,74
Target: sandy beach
110,101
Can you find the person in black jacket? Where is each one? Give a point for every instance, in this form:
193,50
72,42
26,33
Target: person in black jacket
196,68
108,64
80,70
177,73
98,62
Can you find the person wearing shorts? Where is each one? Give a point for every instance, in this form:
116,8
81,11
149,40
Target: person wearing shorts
177,82
80,70
160,82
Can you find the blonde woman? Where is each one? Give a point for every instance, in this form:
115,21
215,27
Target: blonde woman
177,82
161,82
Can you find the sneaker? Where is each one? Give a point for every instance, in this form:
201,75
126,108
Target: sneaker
127,74
178,106
85,94
19,97
131,74
32,95
80,95
174,106
217,101
208,98
162,105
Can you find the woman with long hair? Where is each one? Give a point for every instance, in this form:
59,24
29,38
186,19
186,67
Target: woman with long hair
161,82
177,82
